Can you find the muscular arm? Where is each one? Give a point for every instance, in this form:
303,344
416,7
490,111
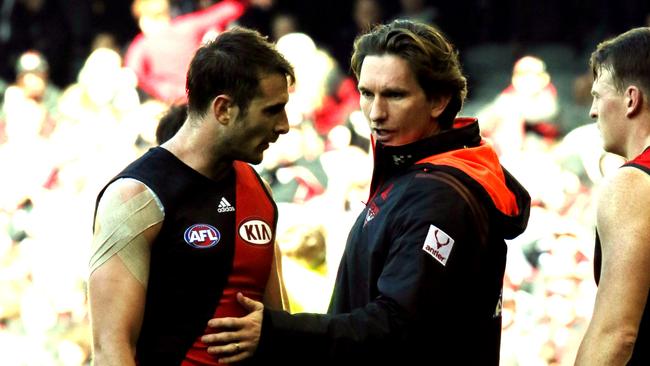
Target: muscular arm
624,230
275,295
127,221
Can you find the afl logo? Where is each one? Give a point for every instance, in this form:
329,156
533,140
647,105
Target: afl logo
255,232
202,236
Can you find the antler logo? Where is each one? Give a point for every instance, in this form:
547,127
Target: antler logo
438,243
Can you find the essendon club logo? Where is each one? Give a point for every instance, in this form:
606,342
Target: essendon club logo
202,236
373,210
256,232
438,244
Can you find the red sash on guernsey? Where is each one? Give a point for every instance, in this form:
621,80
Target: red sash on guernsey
254,246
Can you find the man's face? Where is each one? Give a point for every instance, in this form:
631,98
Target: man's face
263,122
394,103
33,84
608,108
152,15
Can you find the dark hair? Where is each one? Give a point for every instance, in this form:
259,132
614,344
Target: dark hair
232,64
432,58
627,57
171,122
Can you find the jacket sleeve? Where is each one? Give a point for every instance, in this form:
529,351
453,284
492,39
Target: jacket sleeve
411,287
215,17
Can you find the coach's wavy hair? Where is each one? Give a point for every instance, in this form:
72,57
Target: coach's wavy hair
432,58
232,64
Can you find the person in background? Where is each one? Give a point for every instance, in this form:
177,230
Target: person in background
365,15
421,277
189,224
283,24
160,54
619,331
528,106
171,122
418,10
32,86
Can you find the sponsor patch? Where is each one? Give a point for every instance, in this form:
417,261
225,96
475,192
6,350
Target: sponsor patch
255,231
438,244
202,236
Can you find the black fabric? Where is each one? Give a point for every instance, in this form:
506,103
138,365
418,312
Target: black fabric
393,302
185,283
639,166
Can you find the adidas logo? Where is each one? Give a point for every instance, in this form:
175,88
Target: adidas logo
225,206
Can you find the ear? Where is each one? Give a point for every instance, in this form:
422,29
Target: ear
439,105
223,108
633,101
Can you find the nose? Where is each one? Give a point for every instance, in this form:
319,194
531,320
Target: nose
593,111
282,126
377,110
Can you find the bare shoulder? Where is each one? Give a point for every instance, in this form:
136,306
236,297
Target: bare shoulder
623,207
118,193
124,189
629,186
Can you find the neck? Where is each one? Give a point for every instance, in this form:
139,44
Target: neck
639,136
191,146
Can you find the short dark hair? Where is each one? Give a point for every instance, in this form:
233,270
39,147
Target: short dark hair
233,64
627,57
432,58
171,121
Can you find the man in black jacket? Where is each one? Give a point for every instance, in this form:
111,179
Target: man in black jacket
422,272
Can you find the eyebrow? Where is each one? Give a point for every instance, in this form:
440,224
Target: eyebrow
384,91
275,107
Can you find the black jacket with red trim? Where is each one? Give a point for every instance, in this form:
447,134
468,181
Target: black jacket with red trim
421,278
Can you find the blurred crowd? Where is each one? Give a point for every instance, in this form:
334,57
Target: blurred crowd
78,104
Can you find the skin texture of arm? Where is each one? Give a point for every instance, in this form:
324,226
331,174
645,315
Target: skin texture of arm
275,295
624,230
116,295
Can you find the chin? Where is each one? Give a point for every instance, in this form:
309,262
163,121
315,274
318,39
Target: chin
254,160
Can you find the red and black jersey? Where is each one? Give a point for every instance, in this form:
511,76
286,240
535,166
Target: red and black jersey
641,353
217,238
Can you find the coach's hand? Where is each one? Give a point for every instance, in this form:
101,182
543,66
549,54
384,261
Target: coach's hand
236,339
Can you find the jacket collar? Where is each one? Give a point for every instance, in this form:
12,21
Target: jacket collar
465,133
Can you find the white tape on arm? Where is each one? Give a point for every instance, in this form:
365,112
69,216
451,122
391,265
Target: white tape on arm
119,229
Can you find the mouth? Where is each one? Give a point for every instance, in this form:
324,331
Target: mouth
267,143
381,134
